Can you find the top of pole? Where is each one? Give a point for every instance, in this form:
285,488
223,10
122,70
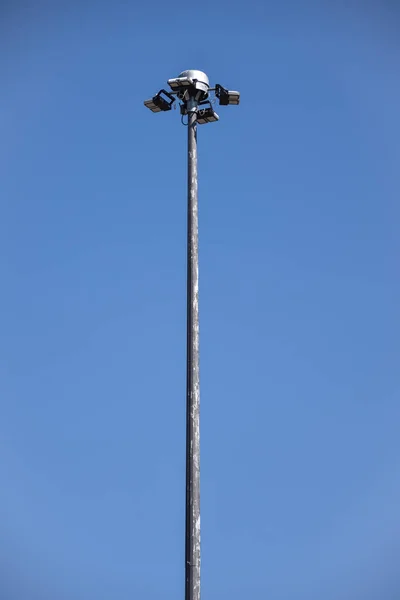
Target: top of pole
200,76
193,86
190,82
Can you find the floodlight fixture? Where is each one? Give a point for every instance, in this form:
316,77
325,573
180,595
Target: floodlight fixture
226,97
206,115
178,83
161,102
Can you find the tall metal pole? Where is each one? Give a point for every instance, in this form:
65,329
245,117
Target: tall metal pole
192,533
192,88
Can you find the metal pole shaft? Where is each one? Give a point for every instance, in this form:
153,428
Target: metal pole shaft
192,533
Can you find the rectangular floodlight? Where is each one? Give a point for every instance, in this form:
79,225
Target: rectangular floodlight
206,115
226,97
151,105
162,101
179,82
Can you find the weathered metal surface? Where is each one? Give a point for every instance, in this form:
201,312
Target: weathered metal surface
192,546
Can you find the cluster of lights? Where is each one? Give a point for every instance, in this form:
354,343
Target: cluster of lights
193,84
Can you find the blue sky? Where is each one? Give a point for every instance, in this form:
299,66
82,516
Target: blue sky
299,299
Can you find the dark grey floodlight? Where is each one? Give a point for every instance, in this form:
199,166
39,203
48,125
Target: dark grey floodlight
159,103
226,97
206,115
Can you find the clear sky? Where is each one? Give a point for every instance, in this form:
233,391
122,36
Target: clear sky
299,253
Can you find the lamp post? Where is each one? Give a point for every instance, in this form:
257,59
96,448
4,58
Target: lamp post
192,90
